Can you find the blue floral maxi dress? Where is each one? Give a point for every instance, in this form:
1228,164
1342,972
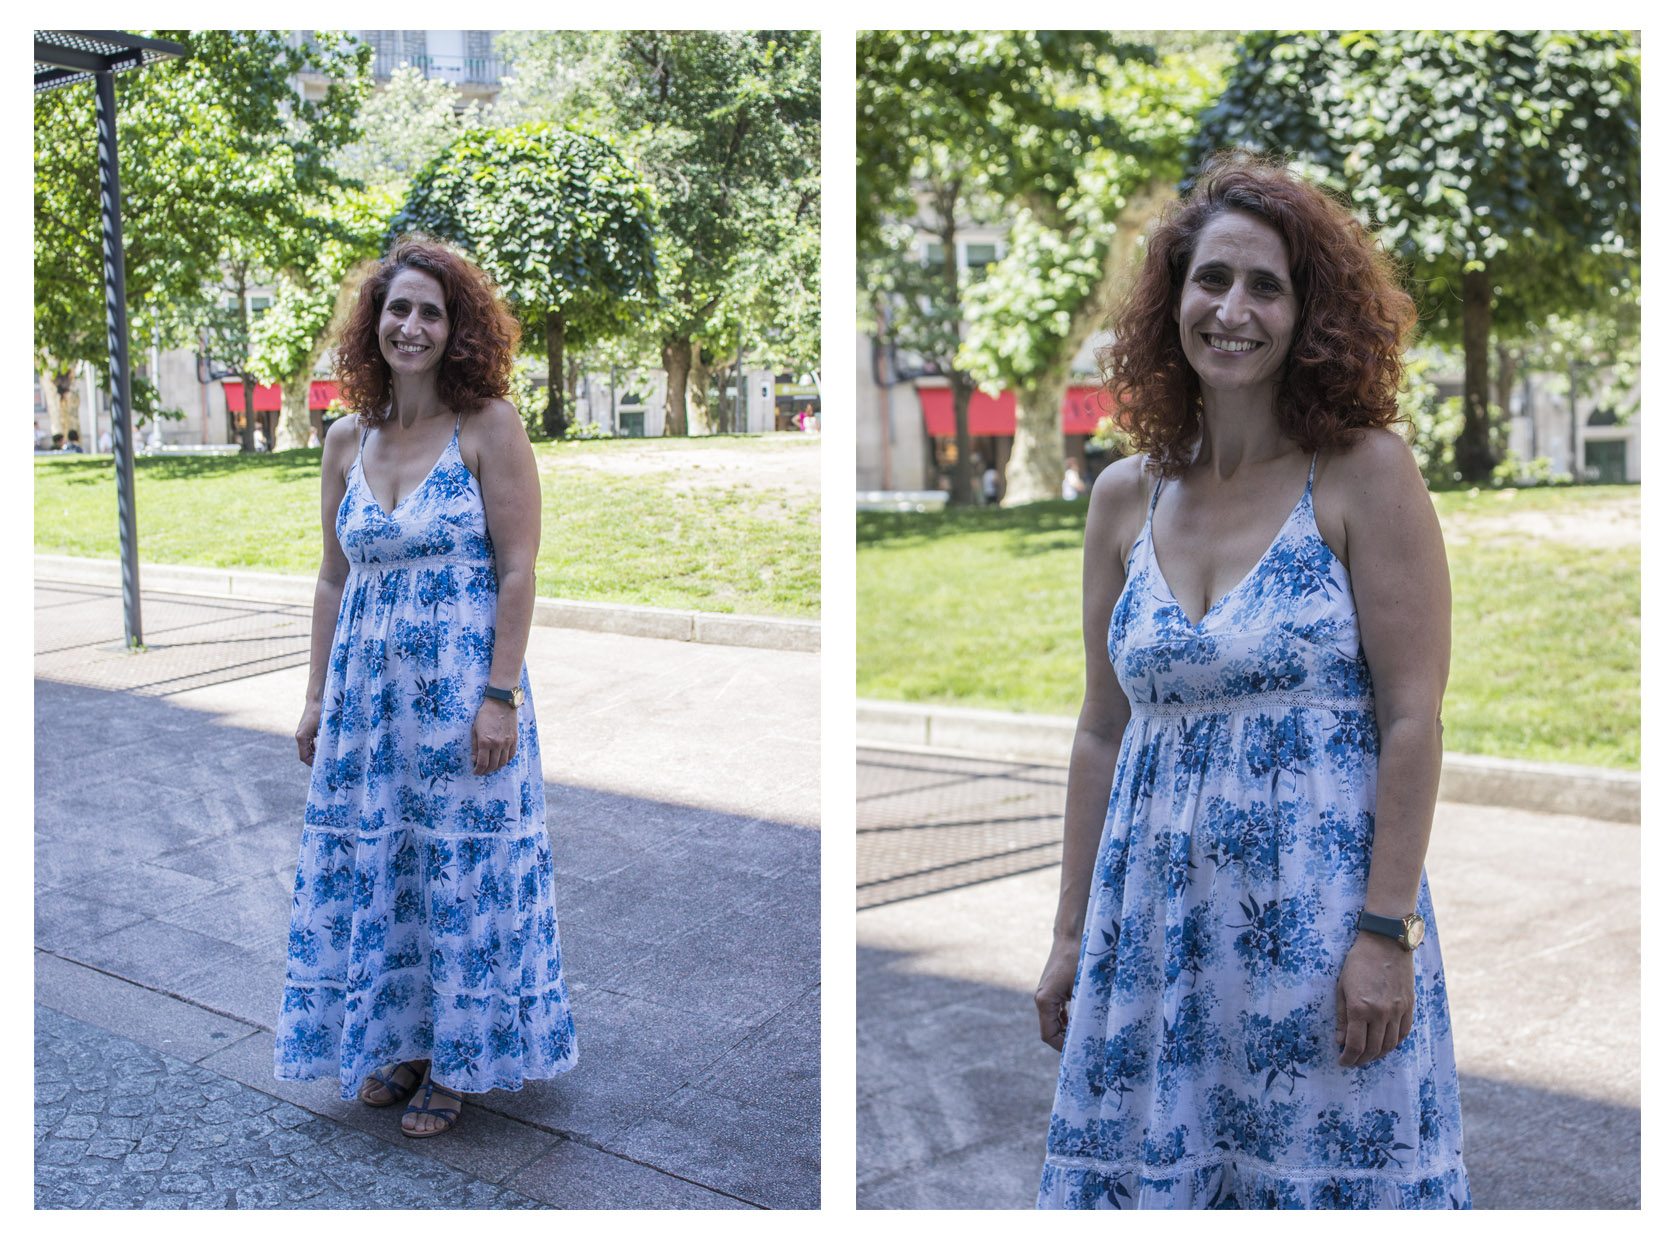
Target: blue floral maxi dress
1200,1065
422,921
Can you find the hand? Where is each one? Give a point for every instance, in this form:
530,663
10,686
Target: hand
308,729
1375,999
1052,995
494,736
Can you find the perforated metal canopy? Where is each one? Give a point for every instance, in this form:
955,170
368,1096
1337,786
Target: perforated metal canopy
63,57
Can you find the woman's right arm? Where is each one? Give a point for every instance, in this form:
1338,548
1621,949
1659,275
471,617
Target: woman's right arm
1115,512
334,571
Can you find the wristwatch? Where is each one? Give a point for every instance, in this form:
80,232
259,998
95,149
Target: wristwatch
512,697
1409,931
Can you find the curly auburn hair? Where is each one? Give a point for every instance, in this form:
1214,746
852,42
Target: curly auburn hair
1345,366
482,333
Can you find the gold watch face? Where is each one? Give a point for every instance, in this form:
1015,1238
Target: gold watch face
1414,932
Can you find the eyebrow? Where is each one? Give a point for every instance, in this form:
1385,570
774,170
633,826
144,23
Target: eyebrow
1211,264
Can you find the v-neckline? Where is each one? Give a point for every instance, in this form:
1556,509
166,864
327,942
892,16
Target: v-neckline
360,464
1174,599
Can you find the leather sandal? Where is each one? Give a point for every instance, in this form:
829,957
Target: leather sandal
421,1106
394,1091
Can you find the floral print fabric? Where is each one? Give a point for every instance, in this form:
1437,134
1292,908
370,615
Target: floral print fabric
1200,1062
422,920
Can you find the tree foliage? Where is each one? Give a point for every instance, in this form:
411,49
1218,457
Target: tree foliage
217,150
724,125
557,219
1504,167
1057,131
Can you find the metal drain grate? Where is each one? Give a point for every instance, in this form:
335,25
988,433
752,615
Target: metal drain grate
933,822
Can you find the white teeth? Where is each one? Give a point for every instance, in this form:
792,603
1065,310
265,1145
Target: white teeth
409,348
1231,346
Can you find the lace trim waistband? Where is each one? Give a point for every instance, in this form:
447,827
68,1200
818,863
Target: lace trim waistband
1287,698
417,561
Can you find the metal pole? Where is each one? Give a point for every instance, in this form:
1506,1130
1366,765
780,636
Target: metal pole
739,426
116,330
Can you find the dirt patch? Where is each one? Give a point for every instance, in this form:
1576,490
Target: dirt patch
1605,525
791,466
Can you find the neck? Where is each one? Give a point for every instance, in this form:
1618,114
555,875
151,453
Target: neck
414,398
1241,428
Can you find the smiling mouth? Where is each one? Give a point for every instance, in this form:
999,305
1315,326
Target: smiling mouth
409,348
1226,344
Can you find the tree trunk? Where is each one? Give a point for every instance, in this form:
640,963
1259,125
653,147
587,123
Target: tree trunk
1036,468
700,394
677,365
63,397
293,428
553,419
1506,378
1472,454
962,479
247,436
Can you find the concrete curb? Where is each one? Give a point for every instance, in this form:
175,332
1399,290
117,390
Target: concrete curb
711,628
1548,787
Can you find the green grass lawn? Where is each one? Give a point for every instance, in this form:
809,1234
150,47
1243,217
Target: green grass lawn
728,524
981,608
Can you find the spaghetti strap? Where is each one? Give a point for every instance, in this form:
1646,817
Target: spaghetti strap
365,431
1313,461
1157,490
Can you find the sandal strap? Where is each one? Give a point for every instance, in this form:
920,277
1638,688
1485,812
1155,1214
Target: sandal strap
424,1108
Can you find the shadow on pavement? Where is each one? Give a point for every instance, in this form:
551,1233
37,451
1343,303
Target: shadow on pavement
166,847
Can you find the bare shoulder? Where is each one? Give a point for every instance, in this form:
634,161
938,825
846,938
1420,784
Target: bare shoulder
338,450
1117,502
1378,462
493,434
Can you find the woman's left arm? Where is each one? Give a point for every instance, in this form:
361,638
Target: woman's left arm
1399,574
511,490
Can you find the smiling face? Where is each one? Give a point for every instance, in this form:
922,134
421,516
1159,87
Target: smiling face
1238,307
413,328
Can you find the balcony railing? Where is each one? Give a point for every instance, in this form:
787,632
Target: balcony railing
459,69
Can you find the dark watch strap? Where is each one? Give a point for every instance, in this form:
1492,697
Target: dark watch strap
1390,927
505,695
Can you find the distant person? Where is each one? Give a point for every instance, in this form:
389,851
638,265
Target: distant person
313,437
1244,982
58,441
72,441
104,441
991,485
426,871
1072,487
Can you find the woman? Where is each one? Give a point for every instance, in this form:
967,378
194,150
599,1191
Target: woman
1235,1032
424,948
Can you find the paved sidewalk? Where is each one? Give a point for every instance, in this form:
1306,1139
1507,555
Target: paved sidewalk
683,802
958,875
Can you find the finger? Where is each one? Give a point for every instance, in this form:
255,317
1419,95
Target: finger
1392,1036
1343,1016
1375,1042
1407,1026
1354,1042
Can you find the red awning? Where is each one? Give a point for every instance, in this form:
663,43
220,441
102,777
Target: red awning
321,393
998,415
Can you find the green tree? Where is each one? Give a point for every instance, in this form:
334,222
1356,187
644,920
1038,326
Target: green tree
557,219
1503,166
955,127
220,153
724,124
400,128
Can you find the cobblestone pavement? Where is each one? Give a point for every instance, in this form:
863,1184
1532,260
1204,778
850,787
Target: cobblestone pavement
1538,916
120,1126
683,804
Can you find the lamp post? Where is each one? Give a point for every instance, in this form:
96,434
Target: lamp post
64,57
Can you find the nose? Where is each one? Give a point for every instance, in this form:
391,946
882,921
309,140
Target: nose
1235,305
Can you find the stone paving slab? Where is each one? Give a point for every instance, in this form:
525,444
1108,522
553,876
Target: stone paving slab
122,1126
954,1085
682,789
